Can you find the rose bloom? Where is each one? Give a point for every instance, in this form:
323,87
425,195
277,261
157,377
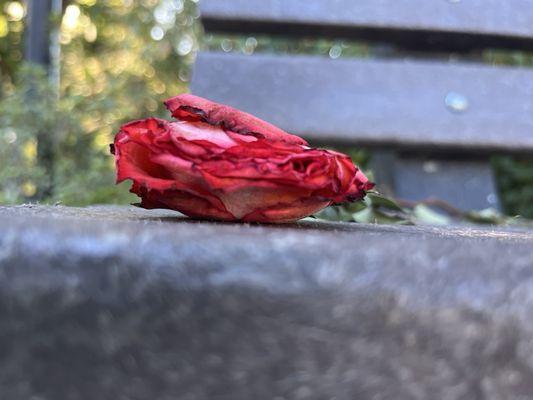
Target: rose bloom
215,162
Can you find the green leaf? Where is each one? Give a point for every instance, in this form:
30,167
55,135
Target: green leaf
364,216
354,207
372,216
334,213
425,215
486,216
381,201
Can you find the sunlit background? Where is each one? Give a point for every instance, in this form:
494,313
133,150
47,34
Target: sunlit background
119,60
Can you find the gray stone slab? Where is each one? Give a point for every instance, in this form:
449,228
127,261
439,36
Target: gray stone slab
481,22
432,105
121,303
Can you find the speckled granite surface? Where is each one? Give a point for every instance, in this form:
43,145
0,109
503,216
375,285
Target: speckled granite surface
123,303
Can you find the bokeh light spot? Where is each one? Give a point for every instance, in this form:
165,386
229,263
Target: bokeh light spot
335,51
10,136
88,3
226,45
28,188
157,33
185,45
29,150
4,29
70,18
90,33
15,11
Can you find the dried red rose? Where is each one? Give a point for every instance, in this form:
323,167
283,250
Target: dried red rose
216,162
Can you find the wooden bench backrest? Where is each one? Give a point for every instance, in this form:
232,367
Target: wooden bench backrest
415,100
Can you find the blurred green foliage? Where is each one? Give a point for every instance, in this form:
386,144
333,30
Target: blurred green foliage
11,31
20,125
333,48
82,173
120,59
515,180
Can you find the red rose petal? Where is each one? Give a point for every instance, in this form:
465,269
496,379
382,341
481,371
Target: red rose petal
220,163
193,108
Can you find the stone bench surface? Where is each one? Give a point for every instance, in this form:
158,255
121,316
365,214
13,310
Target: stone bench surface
123,303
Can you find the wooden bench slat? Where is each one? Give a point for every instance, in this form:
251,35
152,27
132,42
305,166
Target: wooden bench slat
477,22
101,301
377,103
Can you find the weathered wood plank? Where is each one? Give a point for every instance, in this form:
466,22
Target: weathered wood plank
472,23
112,303
379,103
